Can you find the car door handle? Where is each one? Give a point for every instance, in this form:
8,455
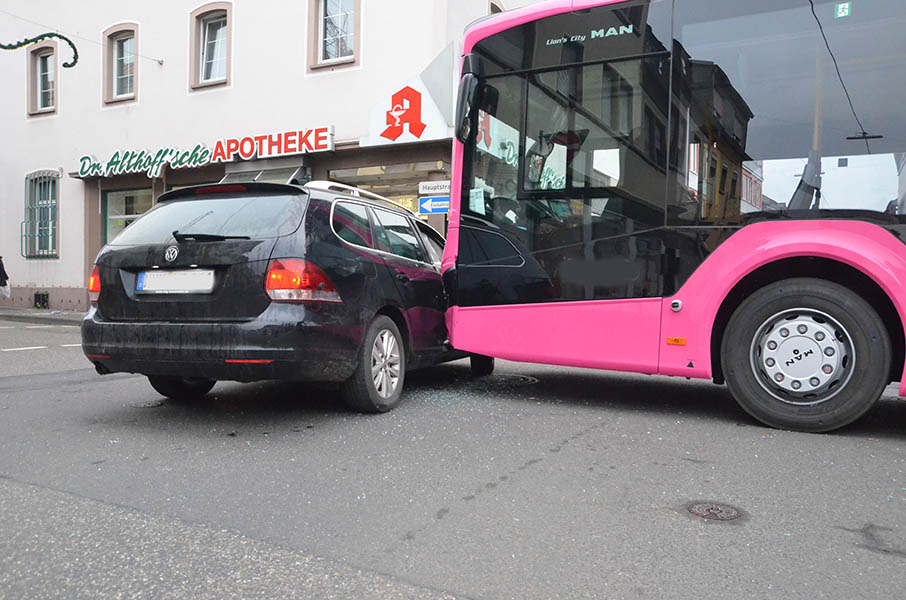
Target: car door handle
402,277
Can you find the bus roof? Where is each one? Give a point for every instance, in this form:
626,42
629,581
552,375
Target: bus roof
488,26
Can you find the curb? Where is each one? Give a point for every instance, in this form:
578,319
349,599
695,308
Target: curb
69,318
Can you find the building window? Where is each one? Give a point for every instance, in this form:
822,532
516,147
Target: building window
337,29
336,40
39,229
211,45
213,57
120,63
45,80
125,63
122,209
43,91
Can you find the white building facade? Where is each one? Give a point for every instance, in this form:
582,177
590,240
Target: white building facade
179,93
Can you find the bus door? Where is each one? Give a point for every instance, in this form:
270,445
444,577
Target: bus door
563,254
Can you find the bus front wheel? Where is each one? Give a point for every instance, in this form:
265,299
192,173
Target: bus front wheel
806,354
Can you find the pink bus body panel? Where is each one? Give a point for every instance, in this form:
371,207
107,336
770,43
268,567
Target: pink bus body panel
615,335
581,334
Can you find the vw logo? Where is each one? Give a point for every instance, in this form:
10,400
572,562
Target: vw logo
171,253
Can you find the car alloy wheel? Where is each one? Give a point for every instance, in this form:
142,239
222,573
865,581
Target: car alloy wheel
376,386
385,363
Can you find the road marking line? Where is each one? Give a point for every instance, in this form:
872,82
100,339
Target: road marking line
40,326
7,327
28,348
70,345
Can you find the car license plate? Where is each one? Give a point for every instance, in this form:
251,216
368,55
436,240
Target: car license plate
191,281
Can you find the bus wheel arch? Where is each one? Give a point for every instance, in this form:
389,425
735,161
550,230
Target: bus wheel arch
817,268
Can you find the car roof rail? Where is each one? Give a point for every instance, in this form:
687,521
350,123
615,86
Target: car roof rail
335,186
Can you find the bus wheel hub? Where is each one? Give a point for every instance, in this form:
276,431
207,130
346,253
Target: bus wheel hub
802,356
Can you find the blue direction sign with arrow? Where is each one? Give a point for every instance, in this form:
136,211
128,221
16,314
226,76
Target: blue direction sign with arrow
434,205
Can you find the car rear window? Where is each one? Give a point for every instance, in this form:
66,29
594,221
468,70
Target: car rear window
258,216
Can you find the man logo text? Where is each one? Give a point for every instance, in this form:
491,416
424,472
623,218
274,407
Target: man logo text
599,33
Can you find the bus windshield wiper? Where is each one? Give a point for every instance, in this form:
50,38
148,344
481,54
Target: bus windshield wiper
207,237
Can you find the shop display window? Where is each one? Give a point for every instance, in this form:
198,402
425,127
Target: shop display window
122,208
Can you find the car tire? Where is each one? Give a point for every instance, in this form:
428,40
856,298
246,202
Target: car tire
481,365
377,384
806,355
180,388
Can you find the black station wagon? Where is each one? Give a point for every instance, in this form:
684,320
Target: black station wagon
258,281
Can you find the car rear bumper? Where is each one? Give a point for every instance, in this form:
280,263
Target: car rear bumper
292,342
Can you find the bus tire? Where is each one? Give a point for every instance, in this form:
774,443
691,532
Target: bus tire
481,365
806,355
376,386
180,388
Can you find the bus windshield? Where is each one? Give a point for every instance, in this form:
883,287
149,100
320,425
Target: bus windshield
688,119
602,134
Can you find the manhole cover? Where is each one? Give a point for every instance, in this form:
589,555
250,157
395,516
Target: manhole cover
714,512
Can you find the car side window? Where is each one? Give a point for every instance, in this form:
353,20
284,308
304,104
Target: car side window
350,222
396,235
433,241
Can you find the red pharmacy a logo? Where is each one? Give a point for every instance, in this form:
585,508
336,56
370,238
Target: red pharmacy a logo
406,111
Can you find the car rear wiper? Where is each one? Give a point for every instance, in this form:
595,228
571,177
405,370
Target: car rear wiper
207,237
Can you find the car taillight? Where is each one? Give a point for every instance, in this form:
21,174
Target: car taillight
296,280
94,285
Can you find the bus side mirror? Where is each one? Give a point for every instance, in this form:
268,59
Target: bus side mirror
534,166
536,157
466,102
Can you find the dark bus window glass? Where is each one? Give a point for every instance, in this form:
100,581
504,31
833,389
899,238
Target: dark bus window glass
495,149
397,235
581,132
759,89
570,209
254,216
350,222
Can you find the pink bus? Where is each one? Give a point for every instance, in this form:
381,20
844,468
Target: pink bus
692,188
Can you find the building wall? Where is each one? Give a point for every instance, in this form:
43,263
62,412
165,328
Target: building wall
270,89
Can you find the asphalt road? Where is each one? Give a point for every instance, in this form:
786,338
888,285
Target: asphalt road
535,482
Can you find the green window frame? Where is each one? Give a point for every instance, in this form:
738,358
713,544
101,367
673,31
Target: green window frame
39,230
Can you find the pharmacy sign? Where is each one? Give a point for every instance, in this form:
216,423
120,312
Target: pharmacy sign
248,147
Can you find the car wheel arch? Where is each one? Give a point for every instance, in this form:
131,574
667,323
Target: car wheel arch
397,316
